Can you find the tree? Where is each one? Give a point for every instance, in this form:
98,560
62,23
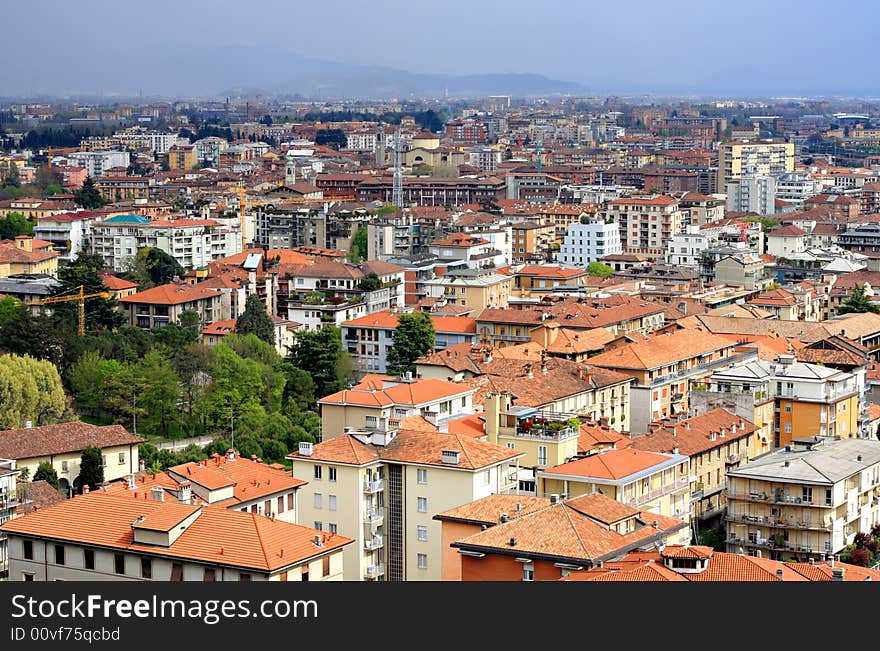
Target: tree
91,469
90,379
86,271
370,283
30,389
320,354
8,306
161,393
88,195
45,472
255,320
334,138
359,244
858,301
159,267
413,338
15,224
596,268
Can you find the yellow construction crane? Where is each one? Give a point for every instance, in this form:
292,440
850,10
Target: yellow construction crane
81,297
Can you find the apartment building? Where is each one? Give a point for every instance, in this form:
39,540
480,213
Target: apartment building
27,255
62,446
504,538
11,499
663,367
752,193
155,540
182,157
97,163
433,191
715,441
588,241
532,281
476,289
382,487
124,188
384,401
68,232
806,500
649,481
764,157
645,223
686,249
369,338
532,242
475,252
159,306
192,242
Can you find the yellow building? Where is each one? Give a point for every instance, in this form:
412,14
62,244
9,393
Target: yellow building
62,446
383,488
25,255
477,289
756,156
532,241
651,481
805,500
182,157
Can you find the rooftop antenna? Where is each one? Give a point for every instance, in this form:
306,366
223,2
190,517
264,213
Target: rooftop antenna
397,187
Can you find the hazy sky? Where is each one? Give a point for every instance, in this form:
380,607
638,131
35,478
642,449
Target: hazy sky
760,46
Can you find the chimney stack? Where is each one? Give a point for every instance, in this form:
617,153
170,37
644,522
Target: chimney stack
131,485
779,572
141,465
838,573
503,518
528,370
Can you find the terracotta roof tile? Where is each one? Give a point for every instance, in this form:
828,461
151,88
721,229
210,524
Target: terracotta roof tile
29,442
171,294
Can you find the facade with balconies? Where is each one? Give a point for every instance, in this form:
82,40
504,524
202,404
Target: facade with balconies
10,500
806,500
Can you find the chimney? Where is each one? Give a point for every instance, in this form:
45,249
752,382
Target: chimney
141,465
554,498
838,573
512,542
503,518
305,448
185,492
674,450
859,458
451,457
779,572
131,485
157,494
787,463
518,507
528,370
317,541
28,424
85,489
230,454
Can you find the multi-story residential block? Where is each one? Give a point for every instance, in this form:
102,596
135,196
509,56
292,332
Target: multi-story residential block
476,289
383,487
839,206
650,481
62,446
786,241
381,401
715,441
182,157
486,159
532,242
796,187
685,249
645,223
807,500
97,163
11,500
589,240
68,232
474,251
124,188
369,338
159,306
764,157
209,150
699,209
433,191
27,255
663,367
792,303
155,540
740,269
515,538
535,281
752,193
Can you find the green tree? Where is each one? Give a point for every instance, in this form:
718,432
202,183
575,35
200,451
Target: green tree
190,321
255,320
413,338
160,395
8,307
15,224
88,195
45,472
334,138
299,388
30,389
91,469
596,268
90,378
320,354
101,312
154,266
858,301
370,283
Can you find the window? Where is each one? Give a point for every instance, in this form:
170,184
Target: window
210,574
59,554
488,476
807,494
318,470
63,466
423,561
119,563
146,568
318,501
331,474
27,576
244,577
828,498
422,475
787,407
422,532
332,528
282,576
331,502
89,559
267,507
788,428
542,455
280,503
528,572
319,525
121,458
422,504
290,501
253,508
325,566
28,549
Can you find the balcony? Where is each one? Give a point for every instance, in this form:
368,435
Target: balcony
732,459
374,517
376,542
778,522
776,499
766,543
658,492
539,425
376,486
374,571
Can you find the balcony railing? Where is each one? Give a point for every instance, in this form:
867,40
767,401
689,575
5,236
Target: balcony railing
777,499
376,542
374,571
374,516
658,492
778,523
374,486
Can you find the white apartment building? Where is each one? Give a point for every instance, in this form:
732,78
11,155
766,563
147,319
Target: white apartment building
192,242
796,187
383,488
588,241
361,141
97,162
645,223
752,193
486,158
684,249
68,232
9,502
156,141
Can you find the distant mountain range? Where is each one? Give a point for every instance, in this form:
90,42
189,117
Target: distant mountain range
225,71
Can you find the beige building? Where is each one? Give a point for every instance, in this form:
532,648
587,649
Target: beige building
476,289
741,269
805,500
25,255
383,488
155,540
765,157
62,446
164,304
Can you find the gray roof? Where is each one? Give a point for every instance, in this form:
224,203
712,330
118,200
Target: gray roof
754,370
36,285
830,462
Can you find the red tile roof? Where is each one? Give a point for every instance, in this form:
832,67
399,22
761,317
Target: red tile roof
45,440
171,294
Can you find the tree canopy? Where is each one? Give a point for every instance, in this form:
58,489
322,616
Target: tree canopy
30,390
88,196
255,320
91,469
858,301
596,268
45,472
414,337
